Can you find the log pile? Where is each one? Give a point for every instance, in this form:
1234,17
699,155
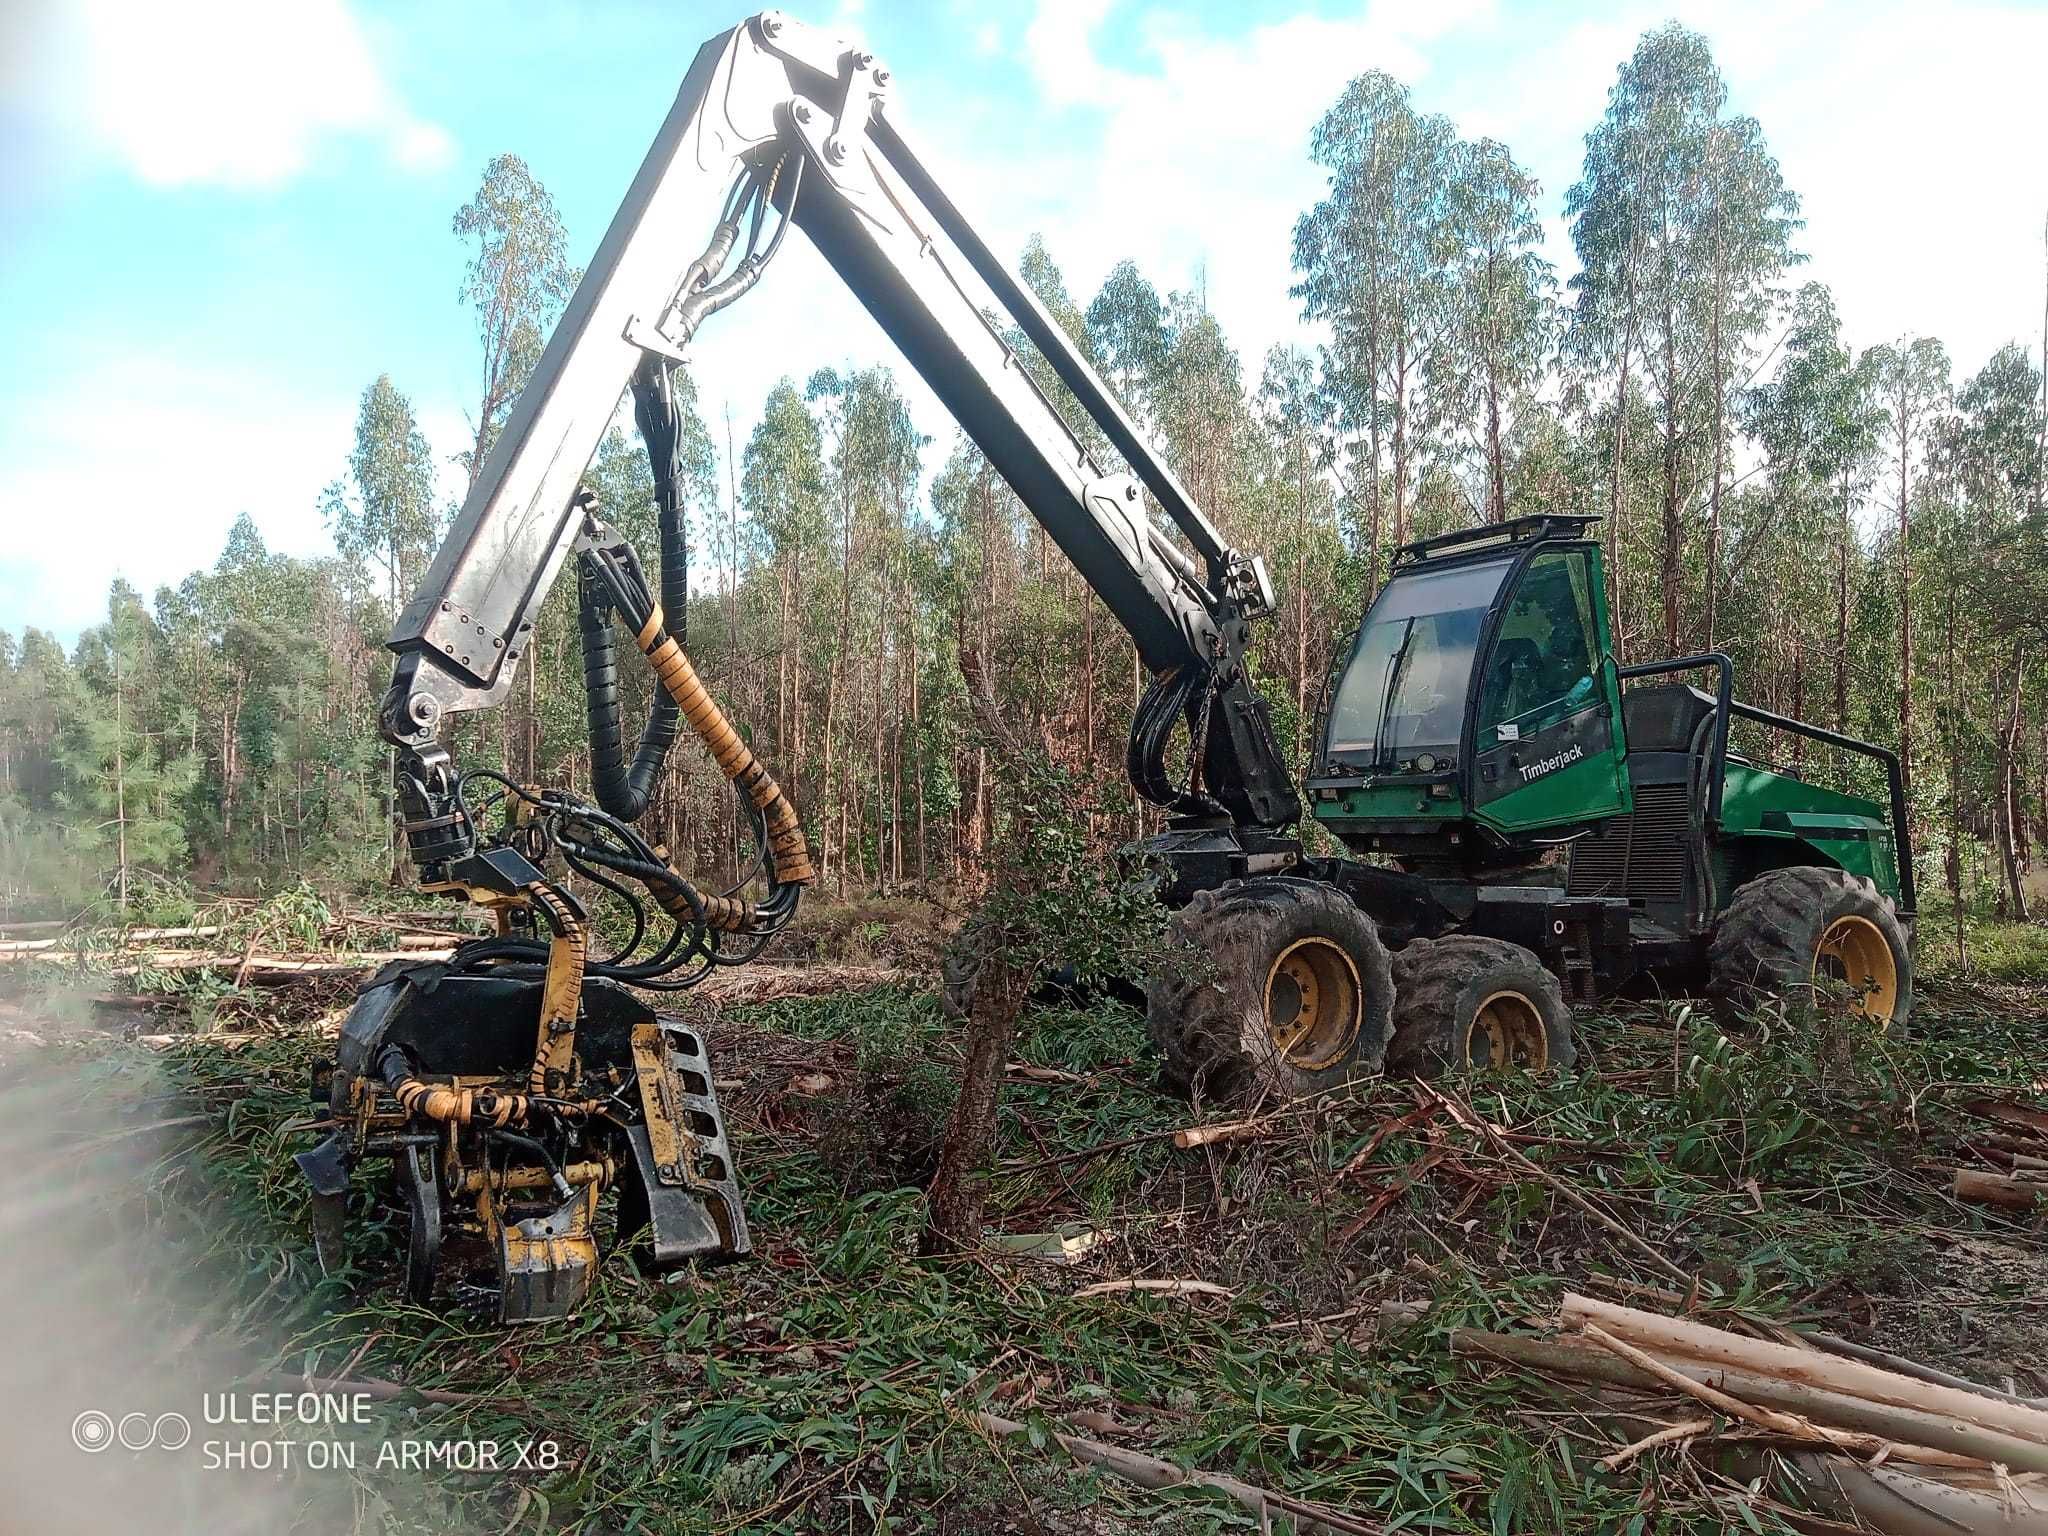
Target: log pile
1897,1446
238,943
247,967
256,958
2016,1155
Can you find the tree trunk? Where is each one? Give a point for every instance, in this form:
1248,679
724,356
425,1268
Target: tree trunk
959,1191
1614,499
1842,546
1905,568
1798,693
1372,477
1301,721
120,772
1714,489
917,737
1400,441
2005,822
1088,677
1673,567
1497,473
1953,864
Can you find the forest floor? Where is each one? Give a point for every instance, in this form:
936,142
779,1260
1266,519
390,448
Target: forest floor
829,1384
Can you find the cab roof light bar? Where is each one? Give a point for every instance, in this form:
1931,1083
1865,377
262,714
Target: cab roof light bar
1515,530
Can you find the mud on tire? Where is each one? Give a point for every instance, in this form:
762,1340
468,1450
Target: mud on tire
1788,928
1274,944
1442,987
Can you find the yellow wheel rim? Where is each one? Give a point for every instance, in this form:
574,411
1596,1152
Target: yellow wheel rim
1507,1031
1854,953
1314,1003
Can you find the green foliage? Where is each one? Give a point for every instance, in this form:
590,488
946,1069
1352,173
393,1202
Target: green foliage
834,1371
1868,543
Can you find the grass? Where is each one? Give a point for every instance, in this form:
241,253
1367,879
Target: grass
1995,951
824,1386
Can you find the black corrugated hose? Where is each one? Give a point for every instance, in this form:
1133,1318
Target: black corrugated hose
621,789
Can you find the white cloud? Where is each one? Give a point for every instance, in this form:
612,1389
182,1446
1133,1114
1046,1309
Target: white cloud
1919,164
1199,166
1910,133
138,468
1059,48
1191,160
238,93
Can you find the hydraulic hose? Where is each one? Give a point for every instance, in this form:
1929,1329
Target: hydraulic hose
561,996
621,789
789,858
434,1101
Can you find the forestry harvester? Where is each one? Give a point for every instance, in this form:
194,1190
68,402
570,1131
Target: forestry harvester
1476,725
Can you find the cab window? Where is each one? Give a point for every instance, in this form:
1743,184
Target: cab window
1541,666
1401,703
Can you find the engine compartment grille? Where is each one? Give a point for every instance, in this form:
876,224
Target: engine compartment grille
1645,856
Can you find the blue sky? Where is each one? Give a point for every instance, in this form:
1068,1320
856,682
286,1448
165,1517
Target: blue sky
223,220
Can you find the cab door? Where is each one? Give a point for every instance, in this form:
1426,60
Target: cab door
1547,752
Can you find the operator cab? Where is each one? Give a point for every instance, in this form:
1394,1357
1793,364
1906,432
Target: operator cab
1472,723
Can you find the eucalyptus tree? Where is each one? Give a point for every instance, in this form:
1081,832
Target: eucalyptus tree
1682,225
2001,426
1203,417
1503,309
872,472
783,486
1997,450
389,520
125,808
1374,260
1297,414
1911,381
1126,327
1817,424
1749,217
518,278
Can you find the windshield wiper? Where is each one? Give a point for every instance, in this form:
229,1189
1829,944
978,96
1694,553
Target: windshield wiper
1382,754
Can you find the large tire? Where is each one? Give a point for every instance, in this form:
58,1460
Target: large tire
1469,1003
1280,986
1791,932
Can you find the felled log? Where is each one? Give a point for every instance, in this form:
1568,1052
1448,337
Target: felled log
255,967
1835,1344
1904,1425
1155,1472
1900,1502
1793,1426
129,938
2021,1191
1678,1341
36,925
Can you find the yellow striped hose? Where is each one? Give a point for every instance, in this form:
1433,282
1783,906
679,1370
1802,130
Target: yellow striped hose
788,857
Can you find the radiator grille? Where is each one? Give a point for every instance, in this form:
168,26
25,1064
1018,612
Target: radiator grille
1643,856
